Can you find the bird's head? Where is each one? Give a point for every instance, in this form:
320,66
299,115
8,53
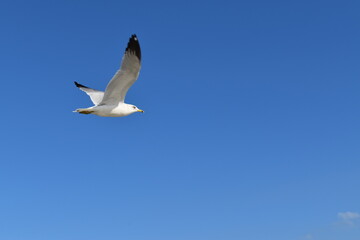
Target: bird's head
135,109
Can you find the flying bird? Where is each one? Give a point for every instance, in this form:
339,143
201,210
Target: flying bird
111,102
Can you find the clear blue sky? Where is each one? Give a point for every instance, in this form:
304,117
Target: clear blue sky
250,131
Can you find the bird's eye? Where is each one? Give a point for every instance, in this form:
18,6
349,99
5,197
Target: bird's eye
134,107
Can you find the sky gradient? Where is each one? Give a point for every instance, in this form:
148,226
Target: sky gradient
250,131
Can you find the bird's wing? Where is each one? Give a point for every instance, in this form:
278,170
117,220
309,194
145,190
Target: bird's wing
127,74
95,95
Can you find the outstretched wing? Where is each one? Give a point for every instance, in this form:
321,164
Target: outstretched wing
95,95
127,74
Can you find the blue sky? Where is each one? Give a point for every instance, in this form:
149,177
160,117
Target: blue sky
250,131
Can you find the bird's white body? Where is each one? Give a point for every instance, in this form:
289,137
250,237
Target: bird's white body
111,102
120,110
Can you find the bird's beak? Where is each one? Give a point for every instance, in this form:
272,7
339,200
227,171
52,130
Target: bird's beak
139,110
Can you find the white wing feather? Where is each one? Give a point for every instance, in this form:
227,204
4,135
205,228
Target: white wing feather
125,77
96,96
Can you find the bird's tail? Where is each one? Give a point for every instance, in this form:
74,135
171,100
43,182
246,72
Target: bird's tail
84,110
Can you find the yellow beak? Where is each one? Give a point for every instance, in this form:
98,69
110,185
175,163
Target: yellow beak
139,110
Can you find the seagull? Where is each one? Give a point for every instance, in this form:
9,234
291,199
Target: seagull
111,102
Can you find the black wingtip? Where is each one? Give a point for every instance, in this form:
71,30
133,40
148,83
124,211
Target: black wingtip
134,46
79,85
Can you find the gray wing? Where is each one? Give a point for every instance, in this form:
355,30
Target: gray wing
96,96
127,74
